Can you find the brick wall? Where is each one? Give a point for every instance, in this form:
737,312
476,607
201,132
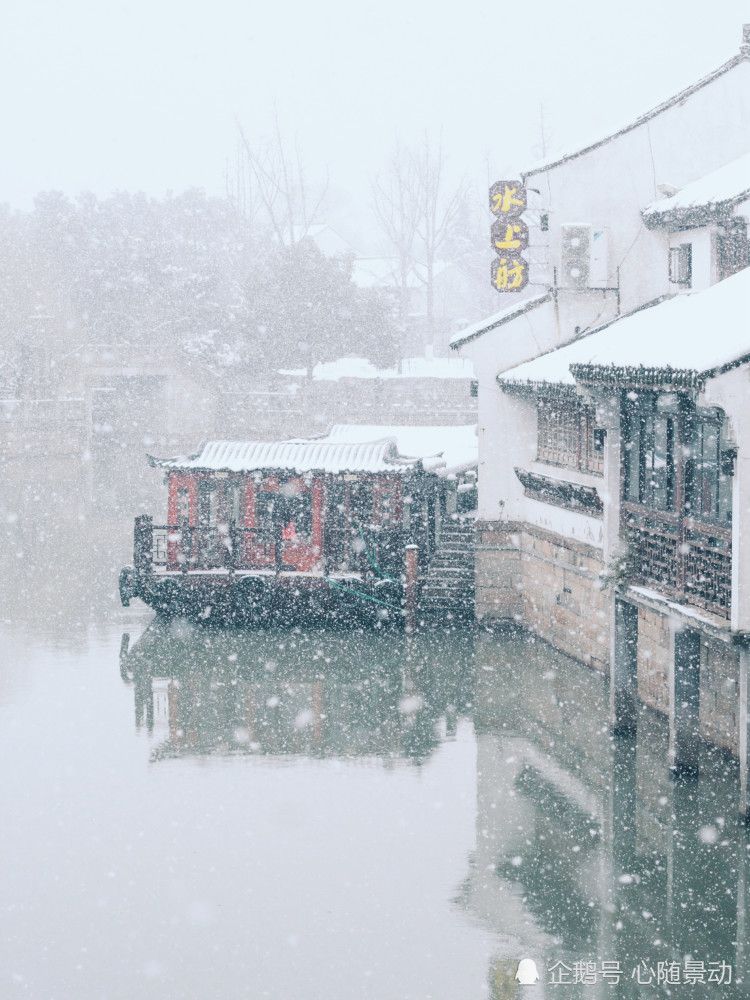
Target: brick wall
654,652
720,694
498,572
549,584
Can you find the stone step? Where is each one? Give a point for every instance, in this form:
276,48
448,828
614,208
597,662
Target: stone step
452,593
437,589
450,573
448,586
448,614
451,562
448,607
445,602
449,577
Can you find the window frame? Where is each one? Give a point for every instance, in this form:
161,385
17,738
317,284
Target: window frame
681,265
566,435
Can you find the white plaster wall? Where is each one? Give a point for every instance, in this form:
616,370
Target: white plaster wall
609,186
703,258
507,425
496,351
511,443
567,523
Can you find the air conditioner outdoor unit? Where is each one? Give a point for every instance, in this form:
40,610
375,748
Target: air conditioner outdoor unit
575,256
584,256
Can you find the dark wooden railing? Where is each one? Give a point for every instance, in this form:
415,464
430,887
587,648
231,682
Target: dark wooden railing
708,566
173,547
186,547
689,560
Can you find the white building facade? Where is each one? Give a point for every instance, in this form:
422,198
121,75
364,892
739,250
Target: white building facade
613,403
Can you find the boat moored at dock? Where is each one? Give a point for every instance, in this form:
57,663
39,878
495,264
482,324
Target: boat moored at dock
305,526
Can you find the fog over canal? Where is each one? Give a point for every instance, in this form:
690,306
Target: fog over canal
298,813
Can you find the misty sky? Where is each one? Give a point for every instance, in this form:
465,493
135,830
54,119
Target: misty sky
144,95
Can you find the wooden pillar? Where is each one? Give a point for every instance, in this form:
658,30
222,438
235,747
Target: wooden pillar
680,439
684,731
318,518
412,560
741,545
744,803
623,800
624,670
143,544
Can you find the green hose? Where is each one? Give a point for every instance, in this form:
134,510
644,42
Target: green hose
358,593
373,559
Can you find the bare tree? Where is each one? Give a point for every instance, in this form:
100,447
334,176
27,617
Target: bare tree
416,215
437,212
396,211
272,182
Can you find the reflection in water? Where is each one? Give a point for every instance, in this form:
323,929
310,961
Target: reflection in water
590,858
313,693
586,850
589,853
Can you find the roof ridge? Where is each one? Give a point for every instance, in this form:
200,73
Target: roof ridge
665,105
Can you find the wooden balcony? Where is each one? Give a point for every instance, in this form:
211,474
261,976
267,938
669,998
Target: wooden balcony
688,560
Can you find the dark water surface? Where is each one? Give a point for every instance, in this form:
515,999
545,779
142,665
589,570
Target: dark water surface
298,814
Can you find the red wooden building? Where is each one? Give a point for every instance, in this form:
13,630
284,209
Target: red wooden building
253,526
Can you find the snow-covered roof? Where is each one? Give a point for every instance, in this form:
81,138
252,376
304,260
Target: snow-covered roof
572,151
295,456
497,319
696,334
446,449
347,448
729,184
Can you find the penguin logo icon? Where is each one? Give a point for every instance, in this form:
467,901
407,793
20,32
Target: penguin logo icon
527,974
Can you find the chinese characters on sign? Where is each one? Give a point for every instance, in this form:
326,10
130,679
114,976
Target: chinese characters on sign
507,199
509,236
688,973
509,274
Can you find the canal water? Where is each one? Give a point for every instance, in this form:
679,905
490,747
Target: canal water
301,814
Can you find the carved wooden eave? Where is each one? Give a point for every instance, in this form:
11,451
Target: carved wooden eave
546,390
560,493
639,377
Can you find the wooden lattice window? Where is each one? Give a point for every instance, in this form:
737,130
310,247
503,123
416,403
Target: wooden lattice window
709,466
681,265
183,506
567,435
677,502
650,457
